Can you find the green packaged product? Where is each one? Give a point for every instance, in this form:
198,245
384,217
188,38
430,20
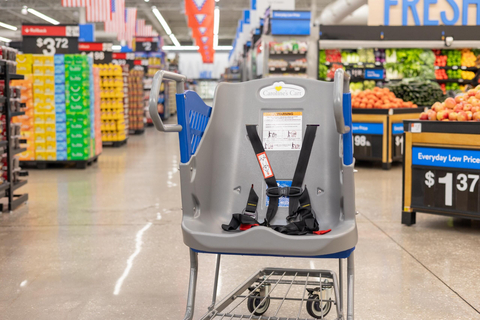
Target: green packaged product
78,142
80,59
77,99
69,83
77,76
78,133
78,153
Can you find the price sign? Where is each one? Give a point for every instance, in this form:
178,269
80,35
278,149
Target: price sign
446,179
397,141
368,140
98,51
50,40
145,44
123,58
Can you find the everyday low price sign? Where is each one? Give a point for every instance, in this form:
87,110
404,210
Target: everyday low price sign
423,12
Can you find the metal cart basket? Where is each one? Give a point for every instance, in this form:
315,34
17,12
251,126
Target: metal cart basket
218,168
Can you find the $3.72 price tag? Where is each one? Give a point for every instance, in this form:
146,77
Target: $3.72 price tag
50,45
445,189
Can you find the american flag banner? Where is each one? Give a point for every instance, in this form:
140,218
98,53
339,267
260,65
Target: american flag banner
131,23
98,10
117,23
141,27
74,3
148,31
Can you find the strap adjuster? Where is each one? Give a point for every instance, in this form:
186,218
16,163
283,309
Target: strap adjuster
284,192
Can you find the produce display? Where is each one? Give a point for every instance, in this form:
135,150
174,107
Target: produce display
288,46
379,99
350,57
333,55
422,93
288,56
355,87
467,75
464,107
468,58
454,74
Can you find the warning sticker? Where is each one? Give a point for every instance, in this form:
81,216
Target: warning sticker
282,130
265,165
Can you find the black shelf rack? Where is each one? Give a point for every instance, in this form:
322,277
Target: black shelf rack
8,188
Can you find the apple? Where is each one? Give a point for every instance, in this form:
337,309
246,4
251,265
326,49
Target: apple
453,116
434,106
450,103
467,107
432,115
469,115
472,101
476,116
445,120
459,99
462,116
472,92
478,95
423,116
443,114
475,109
458,108
439,107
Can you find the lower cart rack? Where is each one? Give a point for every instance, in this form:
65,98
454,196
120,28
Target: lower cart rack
295,294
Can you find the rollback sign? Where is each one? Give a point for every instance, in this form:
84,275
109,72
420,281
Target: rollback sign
281,90
50,40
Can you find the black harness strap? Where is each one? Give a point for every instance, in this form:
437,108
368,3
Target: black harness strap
246,217
267,171
302,165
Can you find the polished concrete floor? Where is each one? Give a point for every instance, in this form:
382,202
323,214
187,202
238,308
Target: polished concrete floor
106,243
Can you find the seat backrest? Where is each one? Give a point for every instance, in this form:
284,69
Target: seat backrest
193,114
217,178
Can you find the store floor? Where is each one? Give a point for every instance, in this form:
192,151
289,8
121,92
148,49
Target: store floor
105,243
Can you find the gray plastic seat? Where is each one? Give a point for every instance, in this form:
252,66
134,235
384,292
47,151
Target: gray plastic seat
216,180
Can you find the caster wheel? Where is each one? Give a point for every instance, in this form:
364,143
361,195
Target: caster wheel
313,307
253,303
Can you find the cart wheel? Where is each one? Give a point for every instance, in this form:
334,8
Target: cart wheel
313,307
254,302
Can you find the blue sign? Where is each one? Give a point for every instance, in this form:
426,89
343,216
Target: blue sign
282,201
87,33
246,16
367,128
450,158
374,74
253,4
290,23
397,128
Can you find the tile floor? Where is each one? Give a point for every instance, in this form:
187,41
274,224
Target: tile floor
106,243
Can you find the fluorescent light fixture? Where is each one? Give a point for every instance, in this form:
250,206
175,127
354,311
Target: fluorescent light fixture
215,40
182,48
216,20
162,20
7,26
116,47
174,40
219,48
5,39
42,16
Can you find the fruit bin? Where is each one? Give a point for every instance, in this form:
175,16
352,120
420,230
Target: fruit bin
441,169
378,133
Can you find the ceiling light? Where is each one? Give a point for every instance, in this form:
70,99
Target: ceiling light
25,10
174,40
223,48
162,20
7,26
42,16
183,48
5,39
147,0
216,20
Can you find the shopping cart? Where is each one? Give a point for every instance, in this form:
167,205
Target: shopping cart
218,168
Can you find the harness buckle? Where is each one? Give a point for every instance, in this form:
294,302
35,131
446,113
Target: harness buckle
284,192
249,213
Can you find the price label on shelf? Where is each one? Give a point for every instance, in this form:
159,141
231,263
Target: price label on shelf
397,140
367,140
99,56
50,40
145,44
100,52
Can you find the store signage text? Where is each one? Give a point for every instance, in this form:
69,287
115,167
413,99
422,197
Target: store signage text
424,12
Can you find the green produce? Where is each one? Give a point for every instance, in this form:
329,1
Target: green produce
368,84
356,86
420,92
454,57
322,71
454,74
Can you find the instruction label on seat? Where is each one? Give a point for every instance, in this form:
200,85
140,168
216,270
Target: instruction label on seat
282,130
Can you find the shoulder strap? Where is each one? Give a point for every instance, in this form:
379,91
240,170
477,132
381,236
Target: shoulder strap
266,168
302,165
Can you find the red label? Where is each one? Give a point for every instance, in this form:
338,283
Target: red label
265,165
90,46
44,31
117,55
137,62
144,39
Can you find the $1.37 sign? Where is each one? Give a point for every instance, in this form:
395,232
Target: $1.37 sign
445,189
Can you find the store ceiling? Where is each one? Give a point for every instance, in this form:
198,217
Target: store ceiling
172,10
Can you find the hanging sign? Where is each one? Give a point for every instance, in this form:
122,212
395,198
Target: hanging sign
100,52
145,44
423,13
122,58
50,40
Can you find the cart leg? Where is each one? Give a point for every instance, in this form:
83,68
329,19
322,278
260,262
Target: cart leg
192,285
215,283
386,165
340,280
350,286
409,218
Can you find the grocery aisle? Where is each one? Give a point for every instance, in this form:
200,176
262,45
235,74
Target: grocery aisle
106,243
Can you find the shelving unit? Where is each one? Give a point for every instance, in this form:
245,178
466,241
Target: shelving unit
9,187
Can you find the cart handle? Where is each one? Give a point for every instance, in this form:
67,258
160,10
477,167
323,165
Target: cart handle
154,92
341,86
